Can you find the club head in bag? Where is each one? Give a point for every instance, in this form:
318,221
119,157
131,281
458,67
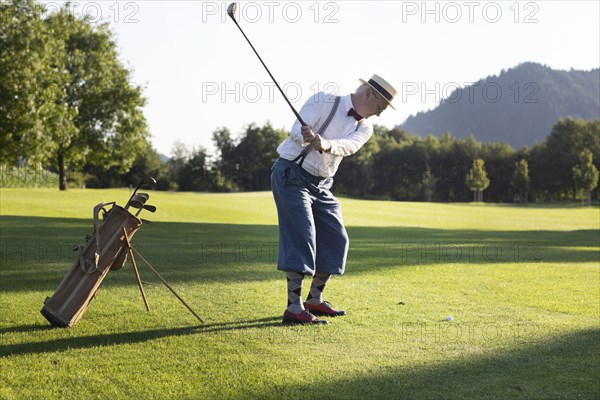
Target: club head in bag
144,195
148,207
135,203
144,181
139,198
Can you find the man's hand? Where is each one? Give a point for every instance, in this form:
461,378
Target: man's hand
307,134
321,144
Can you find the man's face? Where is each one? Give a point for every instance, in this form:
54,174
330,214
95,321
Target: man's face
377,104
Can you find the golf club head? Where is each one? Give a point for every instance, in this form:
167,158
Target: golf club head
141,199
232,9
136,203
144,181
149,181
145,207
144,195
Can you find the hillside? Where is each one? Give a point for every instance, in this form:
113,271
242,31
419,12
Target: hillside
519,106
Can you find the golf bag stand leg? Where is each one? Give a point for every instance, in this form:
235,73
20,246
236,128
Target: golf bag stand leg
135,270
166,284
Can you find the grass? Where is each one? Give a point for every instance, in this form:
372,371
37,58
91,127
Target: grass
521,282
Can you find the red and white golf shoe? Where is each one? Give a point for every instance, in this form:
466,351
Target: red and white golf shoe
324,309
305,317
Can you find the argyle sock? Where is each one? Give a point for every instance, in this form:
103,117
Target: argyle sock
294,285
319,281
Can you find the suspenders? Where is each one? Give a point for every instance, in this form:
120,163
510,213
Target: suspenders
308,148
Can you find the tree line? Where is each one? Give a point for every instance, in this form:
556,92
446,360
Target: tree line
396,165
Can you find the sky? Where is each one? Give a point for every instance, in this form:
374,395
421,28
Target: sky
199,74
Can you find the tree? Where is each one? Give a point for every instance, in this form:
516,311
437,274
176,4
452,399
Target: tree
554,159
521,181
255,154
398,134
355,175
454,157
69,101
224,166
427,184
245,163
477,180
195,174
30,84
499,165
109,128
585,176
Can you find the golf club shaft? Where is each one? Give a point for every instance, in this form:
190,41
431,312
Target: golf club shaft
134,192
270,74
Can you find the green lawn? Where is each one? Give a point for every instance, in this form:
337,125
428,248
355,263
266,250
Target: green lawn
521,282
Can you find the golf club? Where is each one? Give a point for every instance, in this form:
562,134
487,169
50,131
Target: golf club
146,196
141,199
135,203
231,11
144,181
148,207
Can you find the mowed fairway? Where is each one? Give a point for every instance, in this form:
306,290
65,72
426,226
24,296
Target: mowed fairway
522,284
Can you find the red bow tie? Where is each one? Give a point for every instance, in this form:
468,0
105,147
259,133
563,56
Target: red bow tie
354,114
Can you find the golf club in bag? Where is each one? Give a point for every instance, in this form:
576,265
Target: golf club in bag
105,250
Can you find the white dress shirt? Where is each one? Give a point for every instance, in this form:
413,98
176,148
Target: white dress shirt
344,132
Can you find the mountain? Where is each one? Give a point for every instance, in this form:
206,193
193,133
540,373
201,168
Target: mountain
519,106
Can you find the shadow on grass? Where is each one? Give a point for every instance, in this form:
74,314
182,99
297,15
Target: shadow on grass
110,339
26,328
36,252
564,367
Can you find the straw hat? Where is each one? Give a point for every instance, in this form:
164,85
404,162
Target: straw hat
382,87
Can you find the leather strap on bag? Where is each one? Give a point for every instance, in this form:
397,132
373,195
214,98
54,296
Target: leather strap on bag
85,265
308,148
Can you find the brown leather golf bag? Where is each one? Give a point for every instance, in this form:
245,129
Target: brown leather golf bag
105,250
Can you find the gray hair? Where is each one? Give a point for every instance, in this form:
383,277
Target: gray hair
363,88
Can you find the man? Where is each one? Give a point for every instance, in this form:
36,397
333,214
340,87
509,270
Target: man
312,237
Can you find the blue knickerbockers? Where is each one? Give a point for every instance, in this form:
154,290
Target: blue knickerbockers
312,237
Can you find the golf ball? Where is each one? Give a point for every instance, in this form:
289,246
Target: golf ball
449,318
